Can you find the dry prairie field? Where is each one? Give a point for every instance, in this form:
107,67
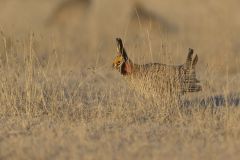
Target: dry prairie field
61,99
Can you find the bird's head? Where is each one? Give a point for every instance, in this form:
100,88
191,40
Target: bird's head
121,62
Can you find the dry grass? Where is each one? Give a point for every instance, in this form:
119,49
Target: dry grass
59,99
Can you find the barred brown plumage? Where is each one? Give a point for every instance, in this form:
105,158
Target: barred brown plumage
156,78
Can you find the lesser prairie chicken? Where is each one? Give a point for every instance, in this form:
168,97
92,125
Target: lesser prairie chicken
156,78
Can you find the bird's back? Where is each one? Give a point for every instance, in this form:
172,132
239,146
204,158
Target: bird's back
155,78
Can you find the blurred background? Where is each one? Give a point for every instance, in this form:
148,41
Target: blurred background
153,30
61,99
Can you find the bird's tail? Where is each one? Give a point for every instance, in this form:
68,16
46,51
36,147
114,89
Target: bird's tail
188,74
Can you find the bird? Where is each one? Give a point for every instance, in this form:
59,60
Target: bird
157,79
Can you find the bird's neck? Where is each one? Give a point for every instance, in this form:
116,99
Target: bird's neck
130,68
